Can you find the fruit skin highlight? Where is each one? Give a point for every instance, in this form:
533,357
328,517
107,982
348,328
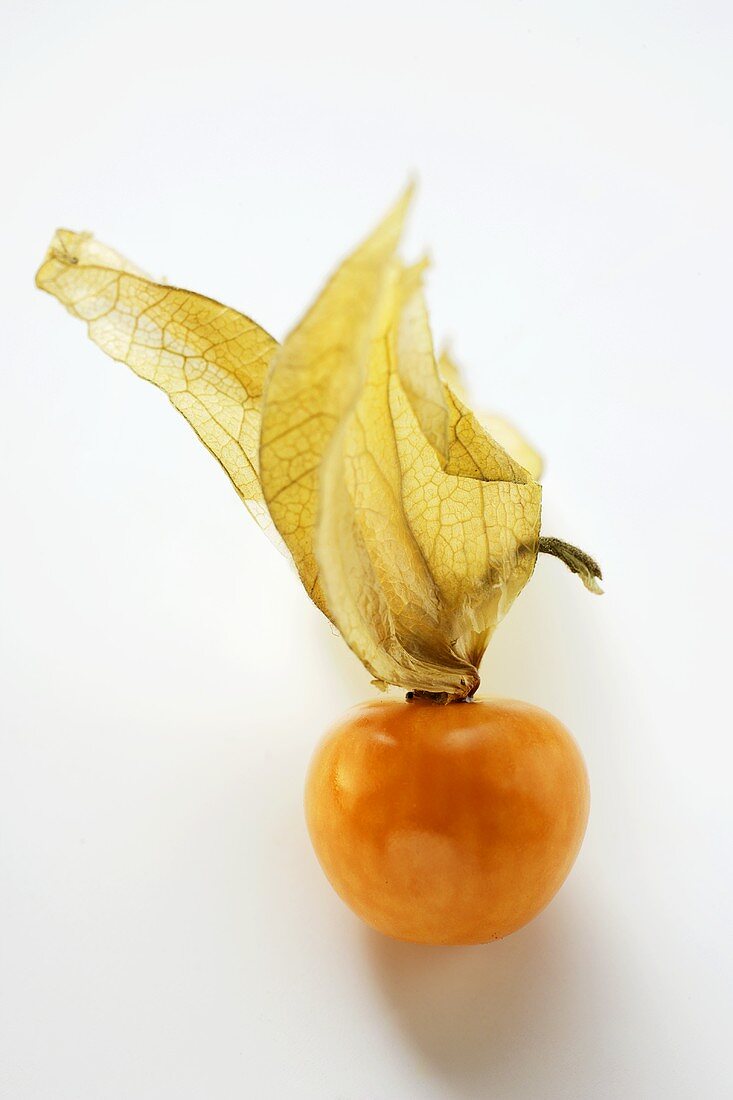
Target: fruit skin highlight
448,824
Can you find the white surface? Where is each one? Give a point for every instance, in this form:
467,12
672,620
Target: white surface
166,932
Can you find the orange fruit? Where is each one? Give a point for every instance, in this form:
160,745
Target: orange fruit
448,824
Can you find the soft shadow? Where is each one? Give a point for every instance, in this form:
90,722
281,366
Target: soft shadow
524,1017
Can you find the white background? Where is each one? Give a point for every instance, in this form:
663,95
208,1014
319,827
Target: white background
166,932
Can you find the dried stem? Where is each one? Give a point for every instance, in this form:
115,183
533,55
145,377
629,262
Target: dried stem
576,560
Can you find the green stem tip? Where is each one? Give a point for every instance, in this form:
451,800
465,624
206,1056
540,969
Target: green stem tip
576,560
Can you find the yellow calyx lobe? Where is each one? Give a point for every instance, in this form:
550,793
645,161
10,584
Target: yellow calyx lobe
210,360
411,527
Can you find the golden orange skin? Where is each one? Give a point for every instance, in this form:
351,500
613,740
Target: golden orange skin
447,824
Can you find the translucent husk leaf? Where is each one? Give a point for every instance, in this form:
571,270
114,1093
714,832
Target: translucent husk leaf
506,434
410,526
211,361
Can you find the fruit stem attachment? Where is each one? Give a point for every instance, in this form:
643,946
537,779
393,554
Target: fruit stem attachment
576,560
441,698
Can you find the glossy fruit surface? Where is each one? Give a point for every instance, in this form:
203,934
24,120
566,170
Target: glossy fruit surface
448,824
